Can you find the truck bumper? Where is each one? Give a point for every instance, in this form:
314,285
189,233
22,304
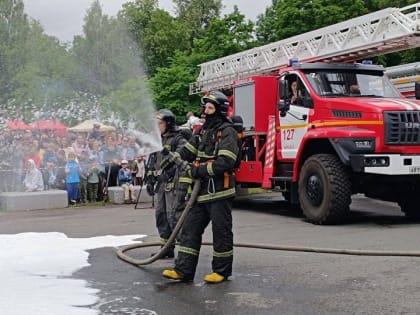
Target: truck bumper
386,164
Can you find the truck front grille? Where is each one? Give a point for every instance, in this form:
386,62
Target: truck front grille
402,127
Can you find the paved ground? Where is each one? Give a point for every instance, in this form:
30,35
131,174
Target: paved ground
264,282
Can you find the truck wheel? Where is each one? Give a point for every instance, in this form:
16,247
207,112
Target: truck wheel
410,208
324,189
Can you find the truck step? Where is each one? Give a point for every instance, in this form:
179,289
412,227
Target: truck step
281,178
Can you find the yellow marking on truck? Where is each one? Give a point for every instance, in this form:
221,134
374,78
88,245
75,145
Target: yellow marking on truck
334,123
293,126
348,123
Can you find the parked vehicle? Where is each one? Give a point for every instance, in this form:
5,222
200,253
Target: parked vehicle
347,130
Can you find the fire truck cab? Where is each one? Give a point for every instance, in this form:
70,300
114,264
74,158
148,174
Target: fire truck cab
349,131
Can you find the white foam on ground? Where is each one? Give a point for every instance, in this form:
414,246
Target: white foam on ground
34,268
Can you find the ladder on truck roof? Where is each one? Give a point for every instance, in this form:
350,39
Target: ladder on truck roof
404,77
377,33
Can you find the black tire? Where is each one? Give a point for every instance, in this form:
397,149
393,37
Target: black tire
410,208
324,189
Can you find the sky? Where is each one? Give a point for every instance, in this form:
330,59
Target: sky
36,268
64,18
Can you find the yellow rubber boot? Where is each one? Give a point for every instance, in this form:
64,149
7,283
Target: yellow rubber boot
213,278
172,274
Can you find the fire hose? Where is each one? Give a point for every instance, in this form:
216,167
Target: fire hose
194,194
196,188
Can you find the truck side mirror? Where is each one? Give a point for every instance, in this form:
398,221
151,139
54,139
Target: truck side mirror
284,106
284,102
417,89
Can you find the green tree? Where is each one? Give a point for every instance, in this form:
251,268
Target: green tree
223,37
287,18
197,14
226,36
14,33
91,51
160,39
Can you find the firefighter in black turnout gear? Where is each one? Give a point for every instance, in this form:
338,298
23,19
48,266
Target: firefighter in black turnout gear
214,151
169,185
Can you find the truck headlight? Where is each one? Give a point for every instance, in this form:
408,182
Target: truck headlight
377,161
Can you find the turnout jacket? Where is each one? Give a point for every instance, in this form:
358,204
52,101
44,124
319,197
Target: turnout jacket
172,179
214,150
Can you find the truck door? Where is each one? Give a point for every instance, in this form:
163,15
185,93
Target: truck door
293,121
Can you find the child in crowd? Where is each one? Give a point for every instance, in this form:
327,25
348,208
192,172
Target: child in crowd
84,170
93,180
72,178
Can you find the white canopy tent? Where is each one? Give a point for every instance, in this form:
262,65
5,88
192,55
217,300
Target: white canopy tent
87,126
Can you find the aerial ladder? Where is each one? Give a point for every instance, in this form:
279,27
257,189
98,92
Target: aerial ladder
404,77
381,32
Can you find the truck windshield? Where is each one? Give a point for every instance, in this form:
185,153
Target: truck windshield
350,84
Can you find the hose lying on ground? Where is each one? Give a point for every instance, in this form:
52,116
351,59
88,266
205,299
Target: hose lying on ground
194,194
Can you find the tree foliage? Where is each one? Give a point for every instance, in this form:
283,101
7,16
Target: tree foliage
197,14
286,18
118,64
225,36
162,36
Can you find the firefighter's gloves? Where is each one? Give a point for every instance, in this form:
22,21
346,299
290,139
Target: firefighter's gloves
172,158
198,171
169,159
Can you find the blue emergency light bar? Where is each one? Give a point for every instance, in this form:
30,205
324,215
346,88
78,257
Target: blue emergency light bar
293,61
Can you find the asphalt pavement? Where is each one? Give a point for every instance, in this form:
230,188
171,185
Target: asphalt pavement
264,281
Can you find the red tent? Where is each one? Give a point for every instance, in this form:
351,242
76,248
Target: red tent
48,125
54,125
18,125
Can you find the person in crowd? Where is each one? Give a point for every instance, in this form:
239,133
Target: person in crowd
93,180
95,151
32,152
33,177
214,152
192,120
140,170
133,145
60,181
79,145
125,181
126,152
199,124
95,133
50,175
110,158
72,178
169,185
49,154
83,174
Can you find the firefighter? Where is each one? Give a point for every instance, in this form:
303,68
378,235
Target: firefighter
169,185
214,150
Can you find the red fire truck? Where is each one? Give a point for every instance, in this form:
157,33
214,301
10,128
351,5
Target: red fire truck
346,130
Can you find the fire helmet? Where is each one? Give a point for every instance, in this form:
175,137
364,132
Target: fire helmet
219,100
167,116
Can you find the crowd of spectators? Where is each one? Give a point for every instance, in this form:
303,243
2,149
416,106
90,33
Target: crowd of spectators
42,160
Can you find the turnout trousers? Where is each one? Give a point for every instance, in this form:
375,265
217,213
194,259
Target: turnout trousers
164,213
220,214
